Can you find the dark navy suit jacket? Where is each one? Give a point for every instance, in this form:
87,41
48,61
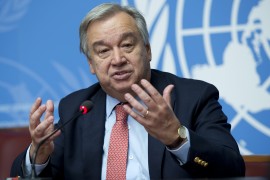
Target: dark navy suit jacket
78,150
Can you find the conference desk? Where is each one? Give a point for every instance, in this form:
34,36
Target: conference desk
15,140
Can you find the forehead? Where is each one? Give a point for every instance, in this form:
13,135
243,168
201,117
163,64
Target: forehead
112,27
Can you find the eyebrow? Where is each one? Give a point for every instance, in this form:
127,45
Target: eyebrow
121,37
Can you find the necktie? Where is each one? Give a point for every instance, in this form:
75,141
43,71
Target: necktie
118,148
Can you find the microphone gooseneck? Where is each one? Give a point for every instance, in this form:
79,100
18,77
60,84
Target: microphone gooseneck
85,107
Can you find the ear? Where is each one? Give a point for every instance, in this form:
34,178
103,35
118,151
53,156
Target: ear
91,66
148,51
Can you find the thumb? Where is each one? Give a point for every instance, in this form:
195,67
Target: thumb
167,94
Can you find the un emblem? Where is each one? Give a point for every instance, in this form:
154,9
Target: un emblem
225,43
11,12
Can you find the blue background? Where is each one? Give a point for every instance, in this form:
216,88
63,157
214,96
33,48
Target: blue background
39,53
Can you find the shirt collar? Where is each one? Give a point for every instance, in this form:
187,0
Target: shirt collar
110,104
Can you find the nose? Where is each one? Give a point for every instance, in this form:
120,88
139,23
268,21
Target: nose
118,57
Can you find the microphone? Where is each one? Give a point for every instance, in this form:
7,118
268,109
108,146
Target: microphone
85,107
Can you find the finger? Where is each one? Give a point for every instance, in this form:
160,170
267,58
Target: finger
50,128
52,138
133,114
167,94
48,132
43,128
49,109
34,120
35,106
143,95
139,108
155,95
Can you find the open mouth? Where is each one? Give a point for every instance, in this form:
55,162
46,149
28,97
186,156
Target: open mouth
121,75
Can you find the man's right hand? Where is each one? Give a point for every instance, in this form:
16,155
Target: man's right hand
40,129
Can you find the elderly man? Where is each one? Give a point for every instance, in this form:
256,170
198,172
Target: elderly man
172,128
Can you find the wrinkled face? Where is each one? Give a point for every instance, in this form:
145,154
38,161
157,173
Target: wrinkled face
119,57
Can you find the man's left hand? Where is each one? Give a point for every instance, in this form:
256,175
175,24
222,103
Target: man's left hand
156,115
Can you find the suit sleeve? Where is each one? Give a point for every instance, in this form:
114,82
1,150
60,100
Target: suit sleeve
213,151
16,168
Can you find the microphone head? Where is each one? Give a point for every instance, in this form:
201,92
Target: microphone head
86,106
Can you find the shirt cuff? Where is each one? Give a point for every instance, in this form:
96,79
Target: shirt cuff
39,167
182,152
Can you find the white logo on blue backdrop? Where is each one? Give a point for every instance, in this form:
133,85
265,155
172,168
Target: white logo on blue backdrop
188,38
232,51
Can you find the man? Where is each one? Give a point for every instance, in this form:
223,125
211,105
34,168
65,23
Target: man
176,126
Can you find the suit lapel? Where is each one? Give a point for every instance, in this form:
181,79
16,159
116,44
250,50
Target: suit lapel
155,155
156,150
93,137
